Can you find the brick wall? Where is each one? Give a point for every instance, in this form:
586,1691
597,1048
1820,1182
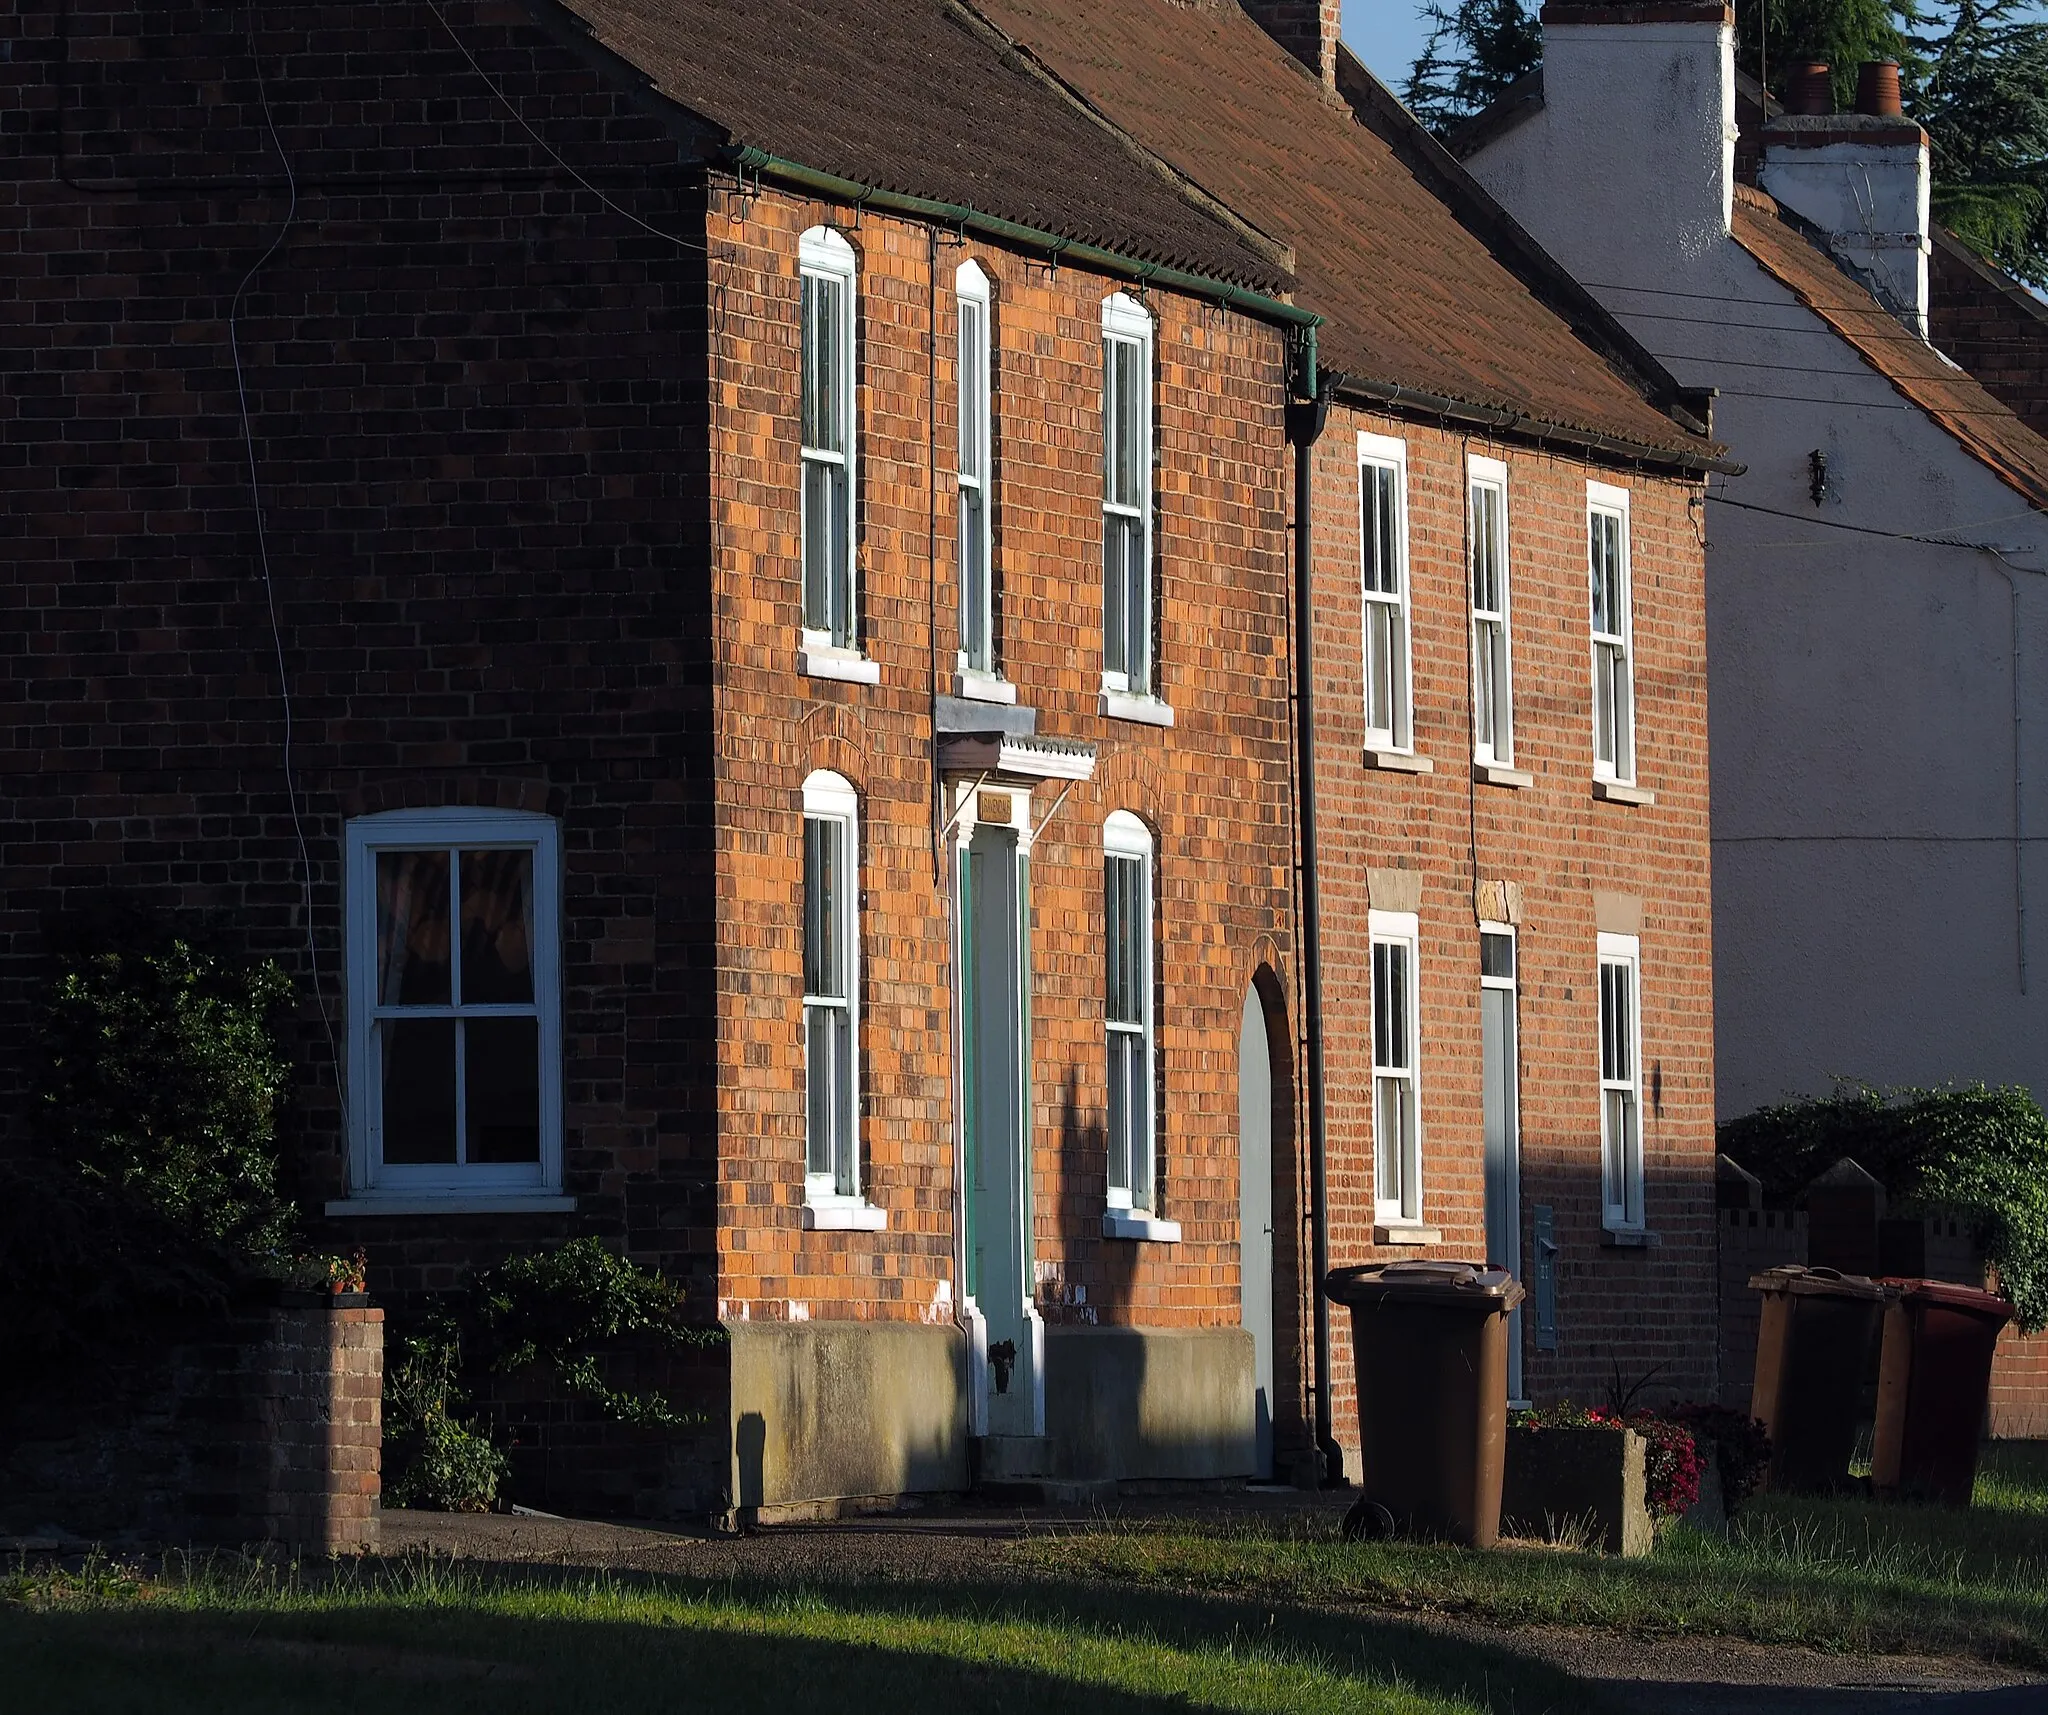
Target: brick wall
1751,1240
261,1425
1214,787
1631,1308
1992,326
476,397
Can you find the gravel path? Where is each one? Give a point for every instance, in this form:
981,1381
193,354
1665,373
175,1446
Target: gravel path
1626,1675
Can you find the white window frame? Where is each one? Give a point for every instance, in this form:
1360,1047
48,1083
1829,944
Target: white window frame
1493,672
1390,727
1401,930
829,1204
1127,323
373,1183
975,476
1621,1086
1613,651
823,254
1133,1160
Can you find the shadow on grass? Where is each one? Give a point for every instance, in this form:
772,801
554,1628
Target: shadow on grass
912,1646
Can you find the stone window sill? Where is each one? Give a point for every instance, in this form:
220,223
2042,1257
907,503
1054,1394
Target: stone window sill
848,1216
846,665
1619,792
1500,774
1136,1224
451,1203
983,687
1397,761
1405,1233
1630,1238
1147,711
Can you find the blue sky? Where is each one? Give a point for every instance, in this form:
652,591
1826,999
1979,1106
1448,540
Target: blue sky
1385,34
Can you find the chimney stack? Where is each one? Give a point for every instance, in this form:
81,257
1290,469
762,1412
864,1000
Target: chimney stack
1864,179
1307,29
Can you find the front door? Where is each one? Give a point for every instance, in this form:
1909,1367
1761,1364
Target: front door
1255,1215
1501,1123
995,1044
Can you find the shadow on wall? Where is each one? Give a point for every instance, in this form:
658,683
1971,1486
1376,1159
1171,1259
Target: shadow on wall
749,1453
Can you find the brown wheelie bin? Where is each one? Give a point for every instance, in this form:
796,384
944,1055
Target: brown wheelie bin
1813,1350
1933,1386
1430,1347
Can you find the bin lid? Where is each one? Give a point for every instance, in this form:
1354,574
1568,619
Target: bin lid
1819,1283
1484,1289
1952,1295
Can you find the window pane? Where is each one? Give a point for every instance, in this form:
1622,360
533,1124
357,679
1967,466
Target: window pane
412,929
1490,685
418,1089
1124,426
1390,1005
1119,1113
1126,623
824,363
824,907
1496,955
497,928
1390,1139
1486,549
1379,666
973,390
828,588
1606,662
828,1058
974,590
501,1088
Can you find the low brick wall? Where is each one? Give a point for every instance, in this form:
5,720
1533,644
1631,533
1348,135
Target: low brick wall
1752,1240
260,1425
2019,1387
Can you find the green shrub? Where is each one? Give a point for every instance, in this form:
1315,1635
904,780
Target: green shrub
161,1078
156,1086
554,1308
439,1460
1978,1153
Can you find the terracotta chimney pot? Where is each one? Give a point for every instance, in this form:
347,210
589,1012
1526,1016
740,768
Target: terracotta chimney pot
1877,89
1809,88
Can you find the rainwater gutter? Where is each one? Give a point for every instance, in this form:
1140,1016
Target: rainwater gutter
1305,423
1050,244
1523,427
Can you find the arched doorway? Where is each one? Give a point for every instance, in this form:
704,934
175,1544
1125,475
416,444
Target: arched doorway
1264,1098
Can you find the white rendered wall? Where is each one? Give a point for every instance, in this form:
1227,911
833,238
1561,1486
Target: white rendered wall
1627,169
1874,199
1863,749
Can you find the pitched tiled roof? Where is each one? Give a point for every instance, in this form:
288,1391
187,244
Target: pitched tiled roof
1413,296
1789,251
922,98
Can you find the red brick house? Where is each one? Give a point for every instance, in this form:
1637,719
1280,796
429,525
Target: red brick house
630,583
734,623
1510,807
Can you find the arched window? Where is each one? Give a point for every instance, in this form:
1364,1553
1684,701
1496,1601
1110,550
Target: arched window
832,1189
454,1006
1126,497
1127,1012
827,263
977,474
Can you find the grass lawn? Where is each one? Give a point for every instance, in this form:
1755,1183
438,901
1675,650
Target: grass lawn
1848,1575
416,1635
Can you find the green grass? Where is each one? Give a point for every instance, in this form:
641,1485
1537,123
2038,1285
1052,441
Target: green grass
414,1635
1845,1575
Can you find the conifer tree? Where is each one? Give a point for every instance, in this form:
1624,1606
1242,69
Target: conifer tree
1476,48
1974,72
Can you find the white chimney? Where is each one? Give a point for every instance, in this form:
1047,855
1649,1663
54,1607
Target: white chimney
1627,173
1864,179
